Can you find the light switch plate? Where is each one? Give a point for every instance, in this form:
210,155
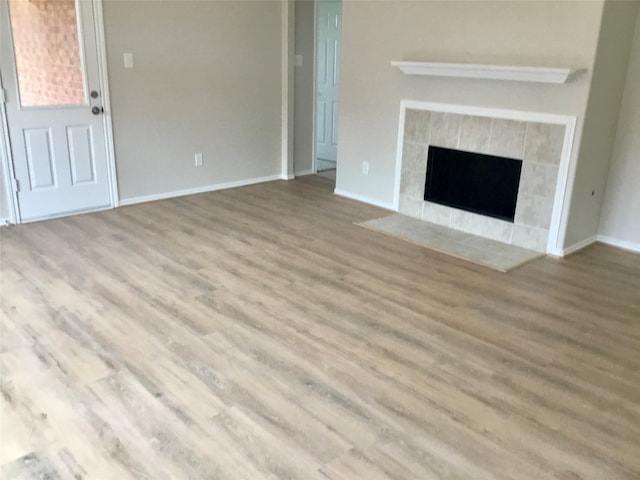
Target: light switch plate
128,60
298,60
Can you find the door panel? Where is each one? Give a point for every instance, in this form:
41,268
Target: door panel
57,144
322,63
39,158
80,154
336,58
321,122
334,124
328,78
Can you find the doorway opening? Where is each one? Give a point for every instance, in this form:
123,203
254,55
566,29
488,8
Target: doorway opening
327,50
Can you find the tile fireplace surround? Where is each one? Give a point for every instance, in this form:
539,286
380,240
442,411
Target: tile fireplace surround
541,146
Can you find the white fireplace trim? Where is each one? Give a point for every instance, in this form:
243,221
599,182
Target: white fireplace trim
566,170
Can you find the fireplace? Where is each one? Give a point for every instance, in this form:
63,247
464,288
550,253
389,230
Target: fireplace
475,182
531,152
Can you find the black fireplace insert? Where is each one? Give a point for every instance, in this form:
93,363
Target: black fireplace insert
475,182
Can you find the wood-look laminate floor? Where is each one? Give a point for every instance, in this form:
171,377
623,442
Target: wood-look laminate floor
256,333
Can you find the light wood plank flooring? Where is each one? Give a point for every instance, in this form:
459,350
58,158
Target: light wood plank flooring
256,333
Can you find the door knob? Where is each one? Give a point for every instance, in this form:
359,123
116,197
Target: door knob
97,110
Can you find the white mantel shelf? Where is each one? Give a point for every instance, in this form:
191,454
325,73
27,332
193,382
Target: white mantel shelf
492,72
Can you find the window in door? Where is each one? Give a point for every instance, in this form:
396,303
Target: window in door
47,52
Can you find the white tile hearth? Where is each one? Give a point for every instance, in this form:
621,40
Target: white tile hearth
482,251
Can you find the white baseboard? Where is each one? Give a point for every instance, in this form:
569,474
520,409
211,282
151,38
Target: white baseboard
579,246
287,176
302,173
556,253
624,244
362,198
192,191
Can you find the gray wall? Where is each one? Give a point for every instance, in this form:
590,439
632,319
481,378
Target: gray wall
621,211
374,33
303,94
601,118
207,78
562,34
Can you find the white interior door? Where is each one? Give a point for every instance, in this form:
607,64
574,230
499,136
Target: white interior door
49,63
329,27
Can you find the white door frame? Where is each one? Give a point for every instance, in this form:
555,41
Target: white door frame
287,85
6,153
98,19
7,165
314,110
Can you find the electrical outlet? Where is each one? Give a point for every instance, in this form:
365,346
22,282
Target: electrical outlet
198,159
365,168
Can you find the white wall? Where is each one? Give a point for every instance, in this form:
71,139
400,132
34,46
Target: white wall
207,78
601,118
620,220
304,96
